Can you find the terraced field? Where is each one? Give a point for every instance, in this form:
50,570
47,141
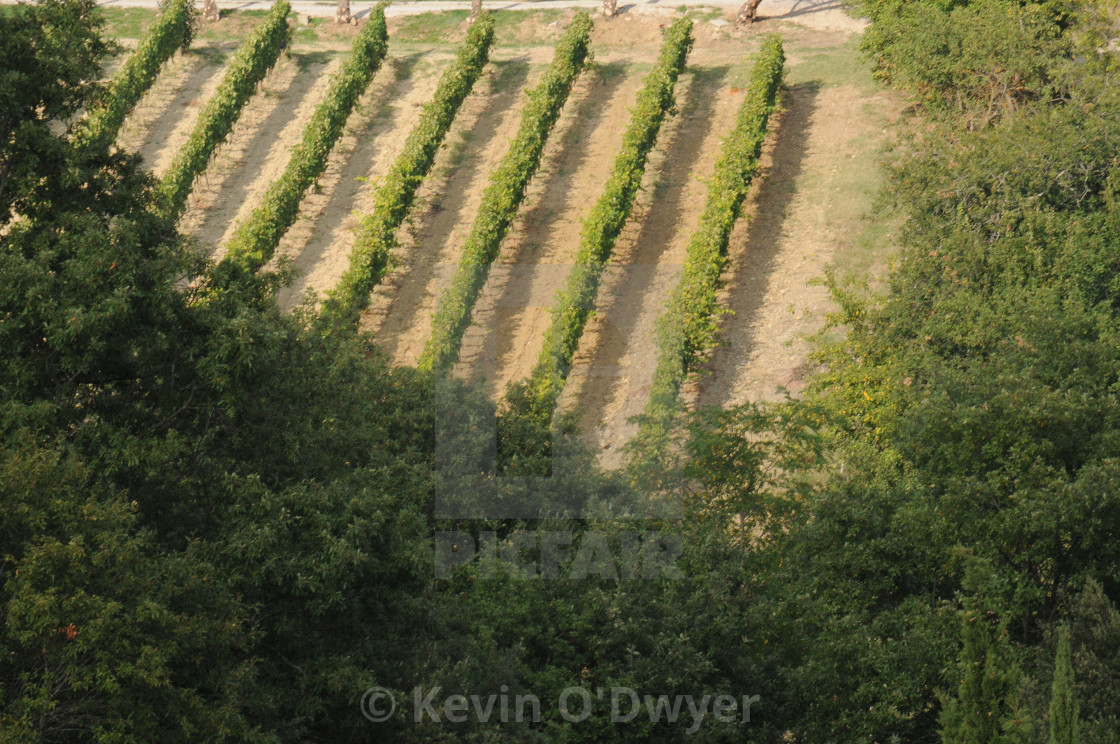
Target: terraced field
804,213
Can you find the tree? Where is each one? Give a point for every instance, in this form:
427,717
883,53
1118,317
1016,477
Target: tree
985,709
1064,723
746,14
50,55
1094,633
160,457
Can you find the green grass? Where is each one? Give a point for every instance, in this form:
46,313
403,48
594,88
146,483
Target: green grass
127,23
436,28
132,23
431,28
836,65
447,27
854,192
700,15
857,194
309,33
510,20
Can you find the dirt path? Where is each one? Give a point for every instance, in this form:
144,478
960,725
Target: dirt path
513,312
613,368
808,205
321,239
258,148
402,306
165,116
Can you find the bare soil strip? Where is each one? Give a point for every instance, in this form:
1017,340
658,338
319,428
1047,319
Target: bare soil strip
155,128
258,148
513,312
321,239
613,368
794,233
402,307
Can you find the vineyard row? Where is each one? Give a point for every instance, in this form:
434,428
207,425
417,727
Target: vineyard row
503,195
687,329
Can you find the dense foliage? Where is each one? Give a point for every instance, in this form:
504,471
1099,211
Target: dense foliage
973,409
49,53
503,195
171,32
374,237
255,239
973,60
254,58
217,522
536,397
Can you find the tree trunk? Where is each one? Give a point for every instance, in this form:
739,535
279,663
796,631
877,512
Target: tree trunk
342,13
610,8
476,8
745,17
210,11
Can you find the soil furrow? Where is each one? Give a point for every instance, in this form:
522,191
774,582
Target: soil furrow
257,150
402,306
800,217
513,312
166,114
614,365
321,239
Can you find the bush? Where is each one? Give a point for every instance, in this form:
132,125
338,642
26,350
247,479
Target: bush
983,60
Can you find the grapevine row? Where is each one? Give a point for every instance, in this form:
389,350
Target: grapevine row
255,239
688,328
249,66
503,195
602,228
375,236
172,31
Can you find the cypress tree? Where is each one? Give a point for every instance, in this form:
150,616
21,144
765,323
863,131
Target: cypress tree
1064,727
